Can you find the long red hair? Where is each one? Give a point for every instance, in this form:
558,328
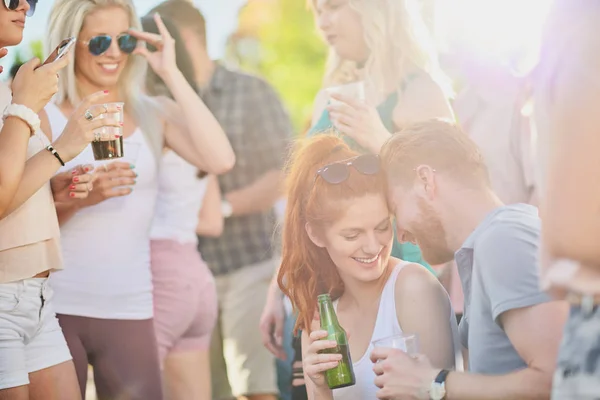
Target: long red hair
306,269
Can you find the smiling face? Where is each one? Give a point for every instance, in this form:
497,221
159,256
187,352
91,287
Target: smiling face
12,23
101,72
360,241
342,28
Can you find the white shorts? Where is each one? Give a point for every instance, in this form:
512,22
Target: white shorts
30,337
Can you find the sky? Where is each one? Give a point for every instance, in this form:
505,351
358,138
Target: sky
221,21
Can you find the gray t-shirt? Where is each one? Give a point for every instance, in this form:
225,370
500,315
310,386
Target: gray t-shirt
498,268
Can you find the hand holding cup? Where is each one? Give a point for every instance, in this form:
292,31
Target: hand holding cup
84,125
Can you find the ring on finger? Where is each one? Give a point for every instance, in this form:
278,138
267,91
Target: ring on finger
105,108
88,115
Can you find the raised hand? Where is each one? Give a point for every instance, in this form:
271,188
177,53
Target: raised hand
34,85
359,121
162,61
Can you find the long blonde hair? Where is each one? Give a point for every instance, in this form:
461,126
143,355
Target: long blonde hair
66,20
399,42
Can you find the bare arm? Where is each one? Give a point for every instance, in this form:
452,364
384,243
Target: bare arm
535,332
14,139
210,219
423,100
532,323
257,197
193,132
33,87
570,202
423,308
37,172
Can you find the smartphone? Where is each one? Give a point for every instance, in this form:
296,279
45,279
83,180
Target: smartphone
61,50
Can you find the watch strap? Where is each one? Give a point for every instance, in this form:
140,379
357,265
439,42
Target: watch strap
441,377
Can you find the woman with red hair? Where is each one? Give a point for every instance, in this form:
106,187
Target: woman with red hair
337,239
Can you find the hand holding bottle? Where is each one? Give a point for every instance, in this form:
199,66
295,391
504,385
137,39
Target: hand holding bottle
316,362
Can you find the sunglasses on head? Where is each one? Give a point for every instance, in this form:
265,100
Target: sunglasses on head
14,4
99,44
337,172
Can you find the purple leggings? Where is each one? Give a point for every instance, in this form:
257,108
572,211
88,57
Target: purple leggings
123,353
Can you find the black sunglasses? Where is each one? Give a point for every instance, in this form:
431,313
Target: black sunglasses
14,4
99,44
337,172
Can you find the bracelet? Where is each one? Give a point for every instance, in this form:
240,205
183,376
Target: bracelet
55,154
25,114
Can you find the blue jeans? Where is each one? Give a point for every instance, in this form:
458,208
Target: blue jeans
284,367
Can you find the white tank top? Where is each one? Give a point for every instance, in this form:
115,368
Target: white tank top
180,195
106,247
386,325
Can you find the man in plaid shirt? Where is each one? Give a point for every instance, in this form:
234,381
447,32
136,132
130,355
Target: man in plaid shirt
242,259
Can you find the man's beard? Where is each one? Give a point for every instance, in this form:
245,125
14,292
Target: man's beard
431,236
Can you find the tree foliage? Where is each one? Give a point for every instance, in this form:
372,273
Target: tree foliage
277,40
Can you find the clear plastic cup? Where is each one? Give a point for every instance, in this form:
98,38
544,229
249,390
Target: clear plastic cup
109,149
356,90
406,342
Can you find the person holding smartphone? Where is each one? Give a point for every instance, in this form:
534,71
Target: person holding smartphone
35,362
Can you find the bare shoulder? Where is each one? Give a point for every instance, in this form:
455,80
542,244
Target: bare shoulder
319,105
415,282
422,99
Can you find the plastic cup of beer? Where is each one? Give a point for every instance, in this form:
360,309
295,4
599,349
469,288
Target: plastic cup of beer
109,149
407,342
356,90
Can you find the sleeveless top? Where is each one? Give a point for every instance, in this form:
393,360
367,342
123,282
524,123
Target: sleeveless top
180,195
386,325
405,251
29,236
106,247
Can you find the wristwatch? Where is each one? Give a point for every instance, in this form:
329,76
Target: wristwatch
25,114
437,390
226,209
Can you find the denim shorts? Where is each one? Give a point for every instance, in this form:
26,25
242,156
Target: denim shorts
30,336
577,375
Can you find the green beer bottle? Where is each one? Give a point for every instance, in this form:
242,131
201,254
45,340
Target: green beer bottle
342,375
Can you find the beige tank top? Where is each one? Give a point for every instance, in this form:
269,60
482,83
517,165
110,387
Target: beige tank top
30,235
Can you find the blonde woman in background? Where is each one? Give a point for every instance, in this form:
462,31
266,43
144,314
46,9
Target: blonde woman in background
104,300
185,296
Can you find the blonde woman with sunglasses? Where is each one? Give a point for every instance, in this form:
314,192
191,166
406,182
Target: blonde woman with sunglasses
104,299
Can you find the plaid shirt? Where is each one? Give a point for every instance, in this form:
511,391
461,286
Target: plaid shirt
259,131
